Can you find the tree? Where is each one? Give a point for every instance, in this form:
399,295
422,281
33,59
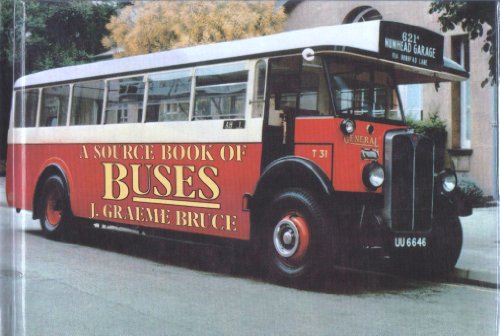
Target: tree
159,25
37,35
472,17
56,33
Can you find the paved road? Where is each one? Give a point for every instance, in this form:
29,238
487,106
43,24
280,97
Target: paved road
112,283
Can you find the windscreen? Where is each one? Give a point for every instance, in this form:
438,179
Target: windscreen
364,91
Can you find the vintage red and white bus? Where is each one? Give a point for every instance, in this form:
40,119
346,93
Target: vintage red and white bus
295,143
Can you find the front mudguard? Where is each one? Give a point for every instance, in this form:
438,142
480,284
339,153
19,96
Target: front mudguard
454,203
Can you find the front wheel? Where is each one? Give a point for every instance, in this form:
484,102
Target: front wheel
54,208
446,244
295,236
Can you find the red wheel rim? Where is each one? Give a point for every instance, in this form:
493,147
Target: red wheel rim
292,238
53,209
304,234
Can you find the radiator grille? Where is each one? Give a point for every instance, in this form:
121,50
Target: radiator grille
410,167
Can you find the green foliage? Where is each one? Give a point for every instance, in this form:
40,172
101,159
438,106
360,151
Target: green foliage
51,33
432,125
471,193
37,35
471,16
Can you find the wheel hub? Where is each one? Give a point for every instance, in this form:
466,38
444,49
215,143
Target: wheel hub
286,238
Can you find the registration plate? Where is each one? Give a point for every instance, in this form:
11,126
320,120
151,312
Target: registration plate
410,242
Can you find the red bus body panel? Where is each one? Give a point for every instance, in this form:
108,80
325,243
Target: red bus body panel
195,188
345,164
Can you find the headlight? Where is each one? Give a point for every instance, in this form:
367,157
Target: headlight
448,180
373,175
348,126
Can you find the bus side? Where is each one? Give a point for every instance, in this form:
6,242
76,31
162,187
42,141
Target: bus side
185,164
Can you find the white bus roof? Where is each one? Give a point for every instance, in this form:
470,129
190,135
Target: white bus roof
356,38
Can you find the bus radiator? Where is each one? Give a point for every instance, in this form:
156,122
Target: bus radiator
410,181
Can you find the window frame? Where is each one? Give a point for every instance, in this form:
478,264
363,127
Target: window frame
106,91
191,77
99,120
371,69
68,108
245,66
14,118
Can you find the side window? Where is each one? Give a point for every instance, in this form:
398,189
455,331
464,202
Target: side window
54,106
220,92
259,89
26,108
168,96
124,100
86,105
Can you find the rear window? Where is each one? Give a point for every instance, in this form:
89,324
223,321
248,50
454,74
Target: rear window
26,106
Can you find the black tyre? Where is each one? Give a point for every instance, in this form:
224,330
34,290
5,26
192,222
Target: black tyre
54,208
446,244
295,236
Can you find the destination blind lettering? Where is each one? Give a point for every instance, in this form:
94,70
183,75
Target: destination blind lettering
412,50
408,47
411,45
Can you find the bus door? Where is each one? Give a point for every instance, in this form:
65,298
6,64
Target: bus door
297,88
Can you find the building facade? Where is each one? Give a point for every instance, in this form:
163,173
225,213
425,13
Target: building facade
469,110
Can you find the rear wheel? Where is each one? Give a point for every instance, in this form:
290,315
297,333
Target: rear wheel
54,208
295,236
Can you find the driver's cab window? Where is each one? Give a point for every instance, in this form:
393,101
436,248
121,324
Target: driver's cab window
362,90
314,94
297,84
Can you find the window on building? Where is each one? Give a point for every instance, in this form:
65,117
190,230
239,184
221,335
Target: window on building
411,99
361,14
124,100
460,54
86,105
26,108
54,108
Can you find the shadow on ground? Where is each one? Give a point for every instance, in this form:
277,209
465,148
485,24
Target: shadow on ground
368,277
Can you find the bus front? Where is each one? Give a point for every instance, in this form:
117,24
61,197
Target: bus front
336,130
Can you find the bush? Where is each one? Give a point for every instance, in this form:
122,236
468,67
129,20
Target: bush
435,128
430,126
471,193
